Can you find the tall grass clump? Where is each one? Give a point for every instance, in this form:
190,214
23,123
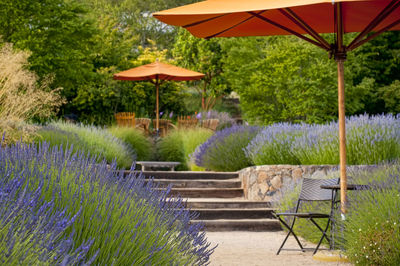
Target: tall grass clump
372,225
171,148
93,140
137,141
21,96
192,138
224,151
108,218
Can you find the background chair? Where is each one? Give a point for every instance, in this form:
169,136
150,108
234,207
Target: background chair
125,119
311,191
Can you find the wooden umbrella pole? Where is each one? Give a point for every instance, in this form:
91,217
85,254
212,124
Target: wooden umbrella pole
340,57
342,136
157,111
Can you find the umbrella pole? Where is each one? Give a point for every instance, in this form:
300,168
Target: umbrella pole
157,111
342,136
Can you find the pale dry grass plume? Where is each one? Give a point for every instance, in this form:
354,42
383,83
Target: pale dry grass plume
21,96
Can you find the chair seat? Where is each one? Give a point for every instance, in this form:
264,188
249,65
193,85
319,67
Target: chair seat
304,215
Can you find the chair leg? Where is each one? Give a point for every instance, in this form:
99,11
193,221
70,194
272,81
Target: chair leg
324,235
290,228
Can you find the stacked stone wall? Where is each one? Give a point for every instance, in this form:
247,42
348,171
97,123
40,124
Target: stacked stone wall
263,182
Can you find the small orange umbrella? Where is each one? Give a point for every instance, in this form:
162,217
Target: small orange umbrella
234,18
157,73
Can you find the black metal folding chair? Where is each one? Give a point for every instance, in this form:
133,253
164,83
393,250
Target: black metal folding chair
311,191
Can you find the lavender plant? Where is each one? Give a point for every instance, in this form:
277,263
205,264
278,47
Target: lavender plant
125,219
276,141
224,151
373,139
370,140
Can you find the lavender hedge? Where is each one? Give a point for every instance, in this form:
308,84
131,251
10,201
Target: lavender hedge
370,140
79,211
224,150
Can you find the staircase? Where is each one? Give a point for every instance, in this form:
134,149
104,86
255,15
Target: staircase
218,197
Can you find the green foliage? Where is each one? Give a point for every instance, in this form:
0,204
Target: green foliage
96,141
171,148
204,56
191,139
58,34
286,79
371,228
137,141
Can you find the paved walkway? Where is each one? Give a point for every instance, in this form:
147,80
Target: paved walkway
258,248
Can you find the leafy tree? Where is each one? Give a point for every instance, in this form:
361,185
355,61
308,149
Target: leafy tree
58,34
379,59
286,79
204,56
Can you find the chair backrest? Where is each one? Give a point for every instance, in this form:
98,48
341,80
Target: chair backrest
311,189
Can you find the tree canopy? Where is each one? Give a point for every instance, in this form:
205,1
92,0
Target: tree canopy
82,43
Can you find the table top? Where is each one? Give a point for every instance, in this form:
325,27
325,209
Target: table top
151,163
349,187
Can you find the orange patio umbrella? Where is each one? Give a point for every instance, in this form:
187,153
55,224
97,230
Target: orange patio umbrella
304,18
157,73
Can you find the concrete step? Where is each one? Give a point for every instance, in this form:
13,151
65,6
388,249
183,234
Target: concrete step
255,225
228,213
192,183
187,175
207,192
218,203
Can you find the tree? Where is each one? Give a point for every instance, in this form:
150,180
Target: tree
286,79
57,33
204,56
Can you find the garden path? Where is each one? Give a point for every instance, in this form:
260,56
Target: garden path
258,249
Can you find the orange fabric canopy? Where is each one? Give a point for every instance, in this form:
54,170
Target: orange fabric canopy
235,18
160,71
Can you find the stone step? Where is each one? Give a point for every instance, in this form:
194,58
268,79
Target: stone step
218,203
208,183
228,213
187,175
255,225
207,192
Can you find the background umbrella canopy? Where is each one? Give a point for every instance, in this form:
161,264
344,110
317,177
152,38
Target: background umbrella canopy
235,18
158,70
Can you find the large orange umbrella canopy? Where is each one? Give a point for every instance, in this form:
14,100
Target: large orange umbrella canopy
235,18
157,73
158,70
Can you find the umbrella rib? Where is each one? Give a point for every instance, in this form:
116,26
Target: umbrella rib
202,21
375,35
287,29
393,5
302,24
237,24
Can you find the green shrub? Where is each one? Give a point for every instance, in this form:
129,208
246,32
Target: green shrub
92,141
192,138
171,148
372,225
142,145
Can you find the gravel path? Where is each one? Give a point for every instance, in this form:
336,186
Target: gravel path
258,248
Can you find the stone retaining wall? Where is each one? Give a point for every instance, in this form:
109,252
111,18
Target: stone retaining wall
263,182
